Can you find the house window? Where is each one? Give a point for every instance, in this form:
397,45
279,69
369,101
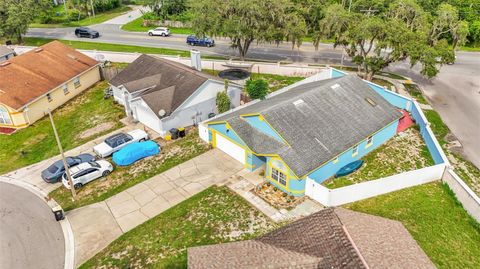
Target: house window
76,82
49,97
355,151
369,141
279,177
4,116
65,89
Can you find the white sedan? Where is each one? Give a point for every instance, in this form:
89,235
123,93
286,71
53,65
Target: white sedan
86,172
118,141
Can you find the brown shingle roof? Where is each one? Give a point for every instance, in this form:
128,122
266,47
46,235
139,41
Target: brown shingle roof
330,238
162,74
33,74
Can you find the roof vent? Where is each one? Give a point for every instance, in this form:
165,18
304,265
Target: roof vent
38,50
370,101
71,56
334,86
4,64
298,102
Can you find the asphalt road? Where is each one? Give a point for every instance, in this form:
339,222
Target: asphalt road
29,235
454,93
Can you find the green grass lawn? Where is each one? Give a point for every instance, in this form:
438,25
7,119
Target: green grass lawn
400,154
34,41
99,18
383,82
435,219
213,216
416,93
36,142
122,178
439,128
391,75
137,26
469,48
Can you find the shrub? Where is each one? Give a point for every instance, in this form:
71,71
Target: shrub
75,15
223,102
257,89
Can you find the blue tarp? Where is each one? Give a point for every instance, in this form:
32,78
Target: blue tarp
134,152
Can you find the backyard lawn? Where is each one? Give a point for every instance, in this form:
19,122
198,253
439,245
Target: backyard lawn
122,178
137,26
437,221
36,142
213,216
402,153
99,18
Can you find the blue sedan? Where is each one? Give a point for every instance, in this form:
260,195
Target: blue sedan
134,152
55,171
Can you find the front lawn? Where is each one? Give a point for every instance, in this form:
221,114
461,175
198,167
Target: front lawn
404,152
35,41
137,26
122,178
37,142
435,219
439,128
99,18
416,93
213,216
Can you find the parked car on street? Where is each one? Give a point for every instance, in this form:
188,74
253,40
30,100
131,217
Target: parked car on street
86,32
118,141
86,172
195,41
161,31
134,152
55,171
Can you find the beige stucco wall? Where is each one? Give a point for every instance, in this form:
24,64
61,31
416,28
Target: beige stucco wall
36,110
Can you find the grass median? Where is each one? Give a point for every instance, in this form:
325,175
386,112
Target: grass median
435,219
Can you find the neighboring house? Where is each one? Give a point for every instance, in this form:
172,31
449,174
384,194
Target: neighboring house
41,79
6,53
163,94
311,129
330,238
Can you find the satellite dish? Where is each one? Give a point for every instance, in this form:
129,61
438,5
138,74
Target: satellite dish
161,113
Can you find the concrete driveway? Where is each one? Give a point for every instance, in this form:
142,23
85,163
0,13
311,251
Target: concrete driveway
97,225
29,235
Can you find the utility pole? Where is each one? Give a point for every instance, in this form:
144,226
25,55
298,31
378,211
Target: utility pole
65,165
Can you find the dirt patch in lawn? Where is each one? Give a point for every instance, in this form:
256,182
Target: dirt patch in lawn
404,152
96,130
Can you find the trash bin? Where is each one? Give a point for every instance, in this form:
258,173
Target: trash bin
58,213
181,132
174,133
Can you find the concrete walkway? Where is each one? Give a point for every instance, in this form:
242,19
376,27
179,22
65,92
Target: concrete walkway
135,13
97,225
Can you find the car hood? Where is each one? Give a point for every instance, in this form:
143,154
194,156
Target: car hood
102,148
137,134
104,164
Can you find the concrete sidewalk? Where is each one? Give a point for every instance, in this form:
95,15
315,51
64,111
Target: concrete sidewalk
135,13
97,225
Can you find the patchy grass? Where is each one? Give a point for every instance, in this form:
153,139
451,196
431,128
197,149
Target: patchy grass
439,128
416,93
275,82
137,26
206,218
467,171
99,18
383,82
391,75
36,142
86,45
435,219
122,178
404,152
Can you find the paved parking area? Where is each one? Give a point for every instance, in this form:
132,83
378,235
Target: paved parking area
97,225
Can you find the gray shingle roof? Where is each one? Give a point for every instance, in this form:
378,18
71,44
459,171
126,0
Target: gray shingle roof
147,71
319,120
330,238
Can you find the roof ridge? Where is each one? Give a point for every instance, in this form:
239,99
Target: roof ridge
184,67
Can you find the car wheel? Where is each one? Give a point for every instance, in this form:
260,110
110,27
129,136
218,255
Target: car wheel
78,35
163,35
150,34
105,173
78,186
142,140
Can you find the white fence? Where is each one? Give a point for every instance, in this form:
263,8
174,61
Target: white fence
360,191
469,200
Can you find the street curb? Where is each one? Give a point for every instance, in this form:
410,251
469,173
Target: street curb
65,224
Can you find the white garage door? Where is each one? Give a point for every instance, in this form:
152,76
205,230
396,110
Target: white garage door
230,148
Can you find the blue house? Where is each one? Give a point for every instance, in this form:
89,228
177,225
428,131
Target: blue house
310,130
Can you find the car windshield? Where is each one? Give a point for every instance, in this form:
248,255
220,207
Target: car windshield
94,164
112,140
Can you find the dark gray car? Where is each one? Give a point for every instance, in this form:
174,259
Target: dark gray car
55,171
